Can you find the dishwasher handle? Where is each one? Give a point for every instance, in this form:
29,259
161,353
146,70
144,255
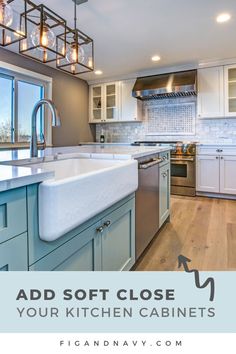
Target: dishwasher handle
146,165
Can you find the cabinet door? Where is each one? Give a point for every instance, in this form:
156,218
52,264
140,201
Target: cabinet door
164,194
230,90
129,104
211,92
82,253
208,174
112,101
96,103
118,239
228,174
13,220
13,254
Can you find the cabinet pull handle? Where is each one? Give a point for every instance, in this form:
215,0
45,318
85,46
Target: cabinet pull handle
100,229
107,223
222,158
217,157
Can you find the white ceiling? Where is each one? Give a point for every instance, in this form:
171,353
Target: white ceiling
127,33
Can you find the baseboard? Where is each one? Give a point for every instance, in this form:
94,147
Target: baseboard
216,195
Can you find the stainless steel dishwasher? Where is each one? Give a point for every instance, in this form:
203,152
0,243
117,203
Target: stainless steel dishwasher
147,202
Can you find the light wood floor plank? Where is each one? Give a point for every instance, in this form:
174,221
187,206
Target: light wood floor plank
202,229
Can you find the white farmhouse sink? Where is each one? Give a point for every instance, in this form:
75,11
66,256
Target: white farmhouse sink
81,189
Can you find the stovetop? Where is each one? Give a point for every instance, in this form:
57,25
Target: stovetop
177,147
155,143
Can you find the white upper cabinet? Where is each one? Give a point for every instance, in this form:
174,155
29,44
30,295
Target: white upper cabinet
217,92
104,102
211,92
96,104
130,106
113,102
230,90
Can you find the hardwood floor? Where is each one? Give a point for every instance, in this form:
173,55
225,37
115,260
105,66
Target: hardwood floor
202,229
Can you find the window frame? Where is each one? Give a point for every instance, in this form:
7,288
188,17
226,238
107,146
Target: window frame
20,74
10,77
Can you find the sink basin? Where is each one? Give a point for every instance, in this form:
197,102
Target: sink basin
81,189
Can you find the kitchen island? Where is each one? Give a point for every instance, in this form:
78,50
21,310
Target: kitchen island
106,241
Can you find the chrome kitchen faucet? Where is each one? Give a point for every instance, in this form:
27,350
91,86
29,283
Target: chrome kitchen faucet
56,122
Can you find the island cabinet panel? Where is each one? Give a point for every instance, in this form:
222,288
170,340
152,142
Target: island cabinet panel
13,254
164,193
118,239
13,220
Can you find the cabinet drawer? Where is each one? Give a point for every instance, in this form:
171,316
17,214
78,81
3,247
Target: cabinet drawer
13,254
216,150
12,213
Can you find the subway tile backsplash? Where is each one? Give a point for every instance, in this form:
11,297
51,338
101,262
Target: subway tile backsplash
171,119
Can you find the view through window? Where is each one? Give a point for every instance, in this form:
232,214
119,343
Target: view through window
17,99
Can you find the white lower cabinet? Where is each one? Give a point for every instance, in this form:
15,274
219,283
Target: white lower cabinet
208,173
228,174
216,174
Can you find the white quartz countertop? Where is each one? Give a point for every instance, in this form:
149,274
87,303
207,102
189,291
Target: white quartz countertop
13,175
216,144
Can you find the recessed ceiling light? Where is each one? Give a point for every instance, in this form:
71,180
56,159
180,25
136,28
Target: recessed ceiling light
156,58
223,18
98,72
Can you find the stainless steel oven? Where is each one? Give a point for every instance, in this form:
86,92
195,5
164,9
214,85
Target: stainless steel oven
183,165
183,180
183,169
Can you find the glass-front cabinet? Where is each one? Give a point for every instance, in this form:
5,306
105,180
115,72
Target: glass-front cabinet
97,103
111,99
230,90
104,102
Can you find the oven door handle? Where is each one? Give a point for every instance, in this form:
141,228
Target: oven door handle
146,165
191,159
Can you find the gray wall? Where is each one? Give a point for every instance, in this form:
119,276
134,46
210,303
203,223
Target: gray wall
70,95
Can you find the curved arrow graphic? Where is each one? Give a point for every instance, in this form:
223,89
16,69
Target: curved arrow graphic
210,281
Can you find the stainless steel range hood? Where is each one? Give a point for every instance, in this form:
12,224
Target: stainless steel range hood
177,84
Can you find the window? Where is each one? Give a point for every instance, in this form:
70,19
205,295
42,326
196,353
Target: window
6,108
28,95
18,95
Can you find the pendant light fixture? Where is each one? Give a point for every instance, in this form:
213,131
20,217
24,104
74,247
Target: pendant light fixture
79,51
12,23
44,25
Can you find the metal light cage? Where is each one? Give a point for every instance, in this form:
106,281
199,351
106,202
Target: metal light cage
17,29
41,19
83,45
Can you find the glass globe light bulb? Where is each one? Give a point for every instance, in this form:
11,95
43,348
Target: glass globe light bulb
6,13
74,56
47,39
